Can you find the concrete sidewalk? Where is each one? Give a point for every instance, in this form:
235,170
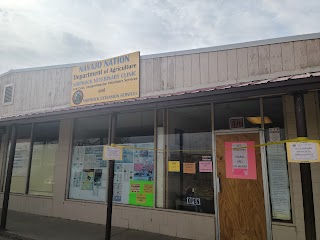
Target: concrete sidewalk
48,228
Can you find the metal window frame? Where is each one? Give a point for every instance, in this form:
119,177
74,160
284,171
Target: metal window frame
4,94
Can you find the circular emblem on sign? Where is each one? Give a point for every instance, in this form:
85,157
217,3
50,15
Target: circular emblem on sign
77,97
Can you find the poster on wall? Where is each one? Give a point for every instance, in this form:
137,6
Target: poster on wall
240,160
278,177
106,80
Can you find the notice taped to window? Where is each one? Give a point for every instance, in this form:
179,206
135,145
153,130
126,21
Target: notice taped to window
106,80
303,152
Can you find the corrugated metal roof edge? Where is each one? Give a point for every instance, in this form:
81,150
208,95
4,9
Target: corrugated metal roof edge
190,51
237,85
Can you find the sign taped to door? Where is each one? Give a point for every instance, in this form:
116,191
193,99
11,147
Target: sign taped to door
240,160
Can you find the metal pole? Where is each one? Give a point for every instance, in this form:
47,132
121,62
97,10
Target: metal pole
111,178
6,194
305,170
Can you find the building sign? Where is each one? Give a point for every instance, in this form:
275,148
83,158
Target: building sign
236,122
240,160
303,152
106,80
193,201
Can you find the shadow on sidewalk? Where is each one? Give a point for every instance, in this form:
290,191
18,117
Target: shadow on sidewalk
49,228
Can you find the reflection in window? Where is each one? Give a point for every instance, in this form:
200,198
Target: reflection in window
45,144
88,179
190,177
134,175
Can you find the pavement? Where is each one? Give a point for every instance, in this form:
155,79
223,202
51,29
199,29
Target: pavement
24,226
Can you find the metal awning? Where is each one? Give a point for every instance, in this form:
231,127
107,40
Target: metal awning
230,92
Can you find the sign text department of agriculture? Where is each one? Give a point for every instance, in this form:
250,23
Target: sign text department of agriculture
106,80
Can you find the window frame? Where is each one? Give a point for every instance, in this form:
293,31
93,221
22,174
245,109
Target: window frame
4,94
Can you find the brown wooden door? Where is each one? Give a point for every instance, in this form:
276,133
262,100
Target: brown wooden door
241,201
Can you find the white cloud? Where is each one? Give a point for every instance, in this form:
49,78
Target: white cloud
44,32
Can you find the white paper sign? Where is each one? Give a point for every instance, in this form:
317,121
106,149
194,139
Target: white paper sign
112,153
274,134
303,152
239,156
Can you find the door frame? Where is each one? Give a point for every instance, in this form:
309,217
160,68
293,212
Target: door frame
264,177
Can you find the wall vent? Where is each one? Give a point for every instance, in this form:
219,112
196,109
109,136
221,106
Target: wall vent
8,94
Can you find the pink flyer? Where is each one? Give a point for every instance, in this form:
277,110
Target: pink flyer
205,166
240,160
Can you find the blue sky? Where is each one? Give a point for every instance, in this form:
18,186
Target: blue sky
45,32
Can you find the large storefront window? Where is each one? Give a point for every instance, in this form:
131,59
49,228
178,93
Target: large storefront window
88,180
134,175
45,144
277,160
21,159
190,177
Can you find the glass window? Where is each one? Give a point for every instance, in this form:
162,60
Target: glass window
248,111
277,160
45,144
190,177
21,159
134,175
88,179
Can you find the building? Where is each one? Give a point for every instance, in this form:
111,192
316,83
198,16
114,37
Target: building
175,178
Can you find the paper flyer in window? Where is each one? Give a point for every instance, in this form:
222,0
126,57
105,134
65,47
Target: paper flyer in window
87,179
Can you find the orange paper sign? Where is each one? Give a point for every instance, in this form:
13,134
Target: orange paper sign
189,168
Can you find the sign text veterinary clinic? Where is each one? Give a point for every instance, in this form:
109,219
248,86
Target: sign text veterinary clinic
106,80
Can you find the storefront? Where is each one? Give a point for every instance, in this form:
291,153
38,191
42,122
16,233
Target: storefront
189,168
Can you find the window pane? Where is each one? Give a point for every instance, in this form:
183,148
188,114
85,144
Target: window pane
45,144
21,158
88,179
190,183
277,160
248,110
133,182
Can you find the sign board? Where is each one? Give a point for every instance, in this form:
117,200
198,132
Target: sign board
189,168
106,80
236,122
193,201
274,135
205,166
240,160
174,166
112,153
298,152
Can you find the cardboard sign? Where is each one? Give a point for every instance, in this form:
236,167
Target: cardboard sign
240,160
303,152
112,153
189,168
174,166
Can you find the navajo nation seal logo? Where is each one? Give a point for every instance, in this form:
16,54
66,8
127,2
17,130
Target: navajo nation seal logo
77,97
